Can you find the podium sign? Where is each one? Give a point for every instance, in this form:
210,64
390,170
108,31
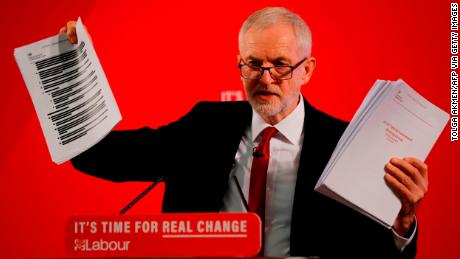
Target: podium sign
169,234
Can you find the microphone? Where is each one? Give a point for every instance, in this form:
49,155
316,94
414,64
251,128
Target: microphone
257,153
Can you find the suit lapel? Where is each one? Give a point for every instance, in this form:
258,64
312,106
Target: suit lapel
312,161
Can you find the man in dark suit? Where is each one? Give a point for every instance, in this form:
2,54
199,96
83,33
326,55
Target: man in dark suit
277,132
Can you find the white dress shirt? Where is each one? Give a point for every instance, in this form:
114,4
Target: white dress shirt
285,150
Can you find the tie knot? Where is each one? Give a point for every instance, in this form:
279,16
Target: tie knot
263,149
268,133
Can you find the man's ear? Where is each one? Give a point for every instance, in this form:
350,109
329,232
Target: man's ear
309,66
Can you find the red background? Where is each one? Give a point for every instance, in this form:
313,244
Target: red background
154,52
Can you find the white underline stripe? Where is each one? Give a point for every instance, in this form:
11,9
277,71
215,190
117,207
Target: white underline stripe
206,236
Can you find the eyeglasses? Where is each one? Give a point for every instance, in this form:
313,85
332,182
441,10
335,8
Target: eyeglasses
283,72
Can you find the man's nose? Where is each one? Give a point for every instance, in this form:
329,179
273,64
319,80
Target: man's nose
266,78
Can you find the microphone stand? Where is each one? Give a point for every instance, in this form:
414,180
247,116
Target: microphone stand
140,196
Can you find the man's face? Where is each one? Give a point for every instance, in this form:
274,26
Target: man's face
274,46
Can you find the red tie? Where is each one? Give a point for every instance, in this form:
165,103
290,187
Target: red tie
258,180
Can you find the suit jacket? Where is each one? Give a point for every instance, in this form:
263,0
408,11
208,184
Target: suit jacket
196,154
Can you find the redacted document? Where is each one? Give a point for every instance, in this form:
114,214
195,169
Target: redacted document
70,93
393,121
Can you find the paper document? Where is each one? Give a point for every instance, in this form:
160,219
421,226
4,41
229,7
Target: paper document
392,121
70,92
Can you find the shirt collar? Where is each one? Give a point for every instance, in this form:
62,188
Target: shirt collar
291,127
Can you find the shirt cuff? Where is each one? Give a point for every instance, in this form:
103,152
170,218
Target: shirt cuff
402,242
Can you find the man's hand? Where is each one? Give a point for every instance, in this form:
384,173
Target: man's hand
70,30
408,178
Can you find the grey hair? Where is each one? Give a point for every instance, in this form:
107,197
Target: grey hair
270,16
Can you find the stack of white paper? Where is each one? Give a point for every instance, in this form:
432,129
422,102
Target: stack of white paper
392,121
70,92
